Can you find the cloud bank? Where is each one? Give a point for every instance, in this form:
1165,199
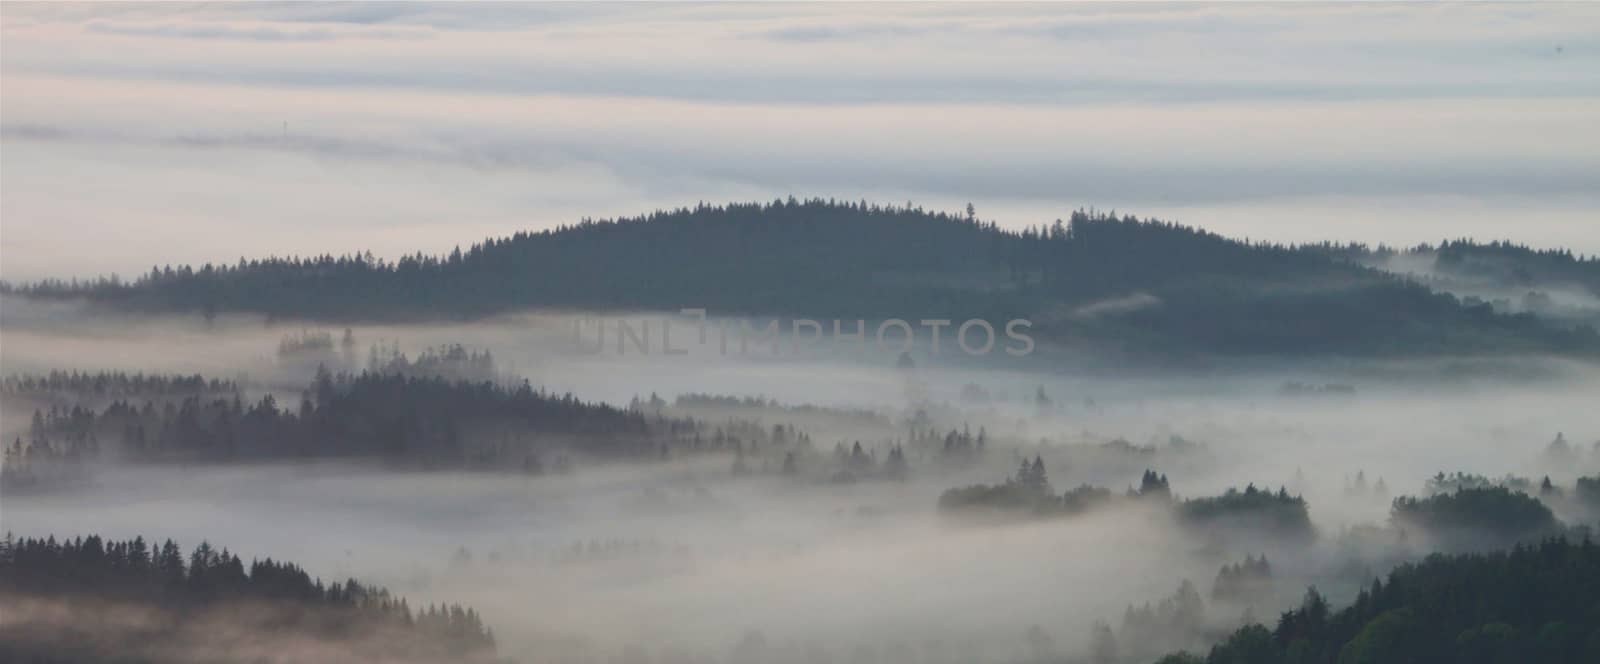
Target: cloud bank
136,135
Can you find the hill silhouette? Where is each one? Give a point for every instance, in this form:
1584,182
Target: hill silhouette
1143,286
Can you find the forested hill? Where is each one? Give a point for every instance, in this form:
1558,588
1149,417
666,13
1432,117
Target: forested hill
88,599
1142,285
1504,264
1538,603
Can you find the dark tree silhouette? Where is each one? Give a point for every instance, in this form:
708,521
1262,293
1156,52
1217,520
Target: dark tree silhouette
208,598
1535,603
833,259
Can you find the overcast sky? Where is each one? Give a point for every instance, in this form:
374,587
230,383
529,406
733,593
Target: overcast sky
141,135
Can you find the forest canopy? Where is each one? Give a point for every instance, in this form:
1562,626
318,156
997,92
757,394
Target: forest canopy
208,606
1141,285
1536,603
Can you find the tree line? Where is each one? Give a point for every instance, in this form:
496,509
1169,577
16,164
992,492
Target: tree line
427,421
418,420
1538,602
1200,292
1501,263
1456,517
112,384
208,589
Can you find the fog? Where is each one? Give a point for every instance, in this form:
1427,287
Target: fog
668,487
682,559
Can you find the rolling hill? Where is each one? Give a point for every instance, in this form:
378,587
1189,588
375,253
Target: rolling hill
1141,286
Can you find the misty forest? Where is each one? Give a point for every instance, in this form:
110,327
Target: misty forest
414,332
1215,450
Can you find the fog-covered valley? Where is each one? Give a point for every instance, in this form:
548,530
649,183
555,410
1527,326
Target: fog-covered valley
767,536
799,333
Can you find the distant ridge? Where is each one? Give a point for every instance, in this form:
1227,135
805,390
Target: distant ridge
1141,286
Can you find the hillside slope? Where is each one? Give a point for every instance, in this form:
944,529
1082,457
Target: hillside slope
1143,286
1537,603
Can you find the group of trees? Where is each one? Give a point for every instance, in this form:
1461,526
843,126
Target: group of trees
421,420
1519,265
452,362
1279,513
1467,511
1499,263
315,343
1358,487
63,436
42,464
1452,482
1534,603
854,463
83,385
1587,491
1028,492
1530,615
1243,582
738,257
833,259
1500,276
204,597
1153,484
1176,622
787,450
313,349
410,412
959,447
1476,517
696,401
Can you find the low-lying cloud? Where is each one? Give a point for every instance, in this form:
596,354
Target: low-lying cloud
442,124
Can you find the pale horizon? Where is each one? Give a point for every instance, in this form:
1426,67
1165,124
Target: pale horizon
187,135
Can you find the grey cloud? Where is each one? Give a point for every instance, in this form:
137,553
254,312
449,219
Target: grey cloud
436,15
789,100
1042,57
266,34
1214,179
825,88
33,132
824,33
